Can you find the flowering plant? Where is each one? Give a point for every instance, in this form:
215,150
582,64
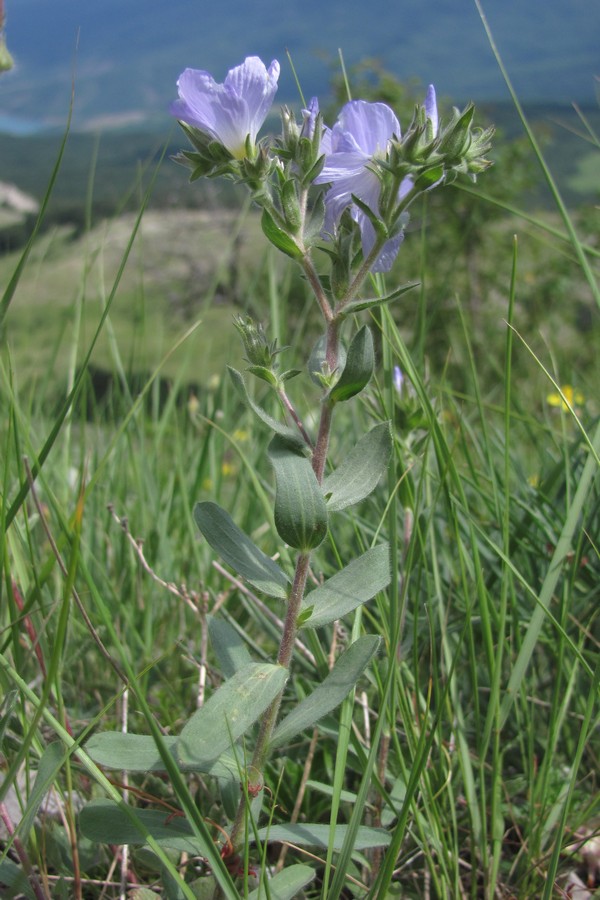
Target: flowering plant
342,192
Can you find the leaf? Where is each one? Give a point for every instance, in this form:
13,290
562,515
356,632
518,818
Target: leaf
230,712
358,369
105,822
318,836
284,430
355,584
50,764
330,693
229,648
357,305
139,753
14,881
429,178
300,510
278,237
238,551
358,474
286,884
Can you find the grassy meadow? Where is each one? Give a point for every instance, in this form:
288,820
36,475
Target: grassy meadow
472,737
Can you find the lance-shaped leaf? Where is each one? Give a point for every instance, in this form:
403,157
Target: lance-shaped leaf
139,753
358,369
355,584
318,836
278,237
106,822
330,693
357,305
286,885
240,385
229,648
238,551
300,510
358,474
230,712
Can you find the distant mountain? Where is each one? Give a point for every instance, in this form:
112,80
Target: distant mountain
125,55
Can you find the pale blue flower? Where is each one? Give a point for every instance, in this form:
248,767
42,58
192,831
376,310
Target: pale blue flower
398,378
231,112
361,134
431,110
309,119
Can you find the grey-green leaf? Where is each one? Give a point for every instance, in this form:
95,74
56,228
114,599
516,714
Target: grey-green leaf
106,822
318,836
358,474
358,369
229,648
357,305
278,237
229,713
239,551
51,762
330,693
300,509
284,430
139,753
286,884
355,584
14,880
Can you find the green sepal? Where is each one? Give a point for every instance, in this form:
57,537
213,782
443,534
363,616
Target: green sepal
429,178
278,237
264,374
312,173
238,551
358,369
380,227
291,208
300,511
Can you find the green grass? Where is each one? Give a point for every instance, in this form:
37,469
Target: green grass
473,736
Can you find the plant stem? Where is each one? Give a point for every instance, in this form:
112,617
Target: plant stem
284,658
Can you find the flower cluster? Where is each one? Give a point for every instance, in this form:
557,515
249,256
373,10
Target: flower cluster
369,171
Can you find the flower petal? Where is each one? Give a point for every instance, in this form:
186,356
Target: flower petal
252,83
371,125
232,111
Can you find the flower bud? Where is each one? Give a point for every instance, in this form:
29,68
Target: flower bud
258,350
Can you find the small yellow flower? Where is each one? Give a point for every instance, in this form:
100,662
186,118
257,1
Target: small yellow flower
227,469
207,484
573,397
240,435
